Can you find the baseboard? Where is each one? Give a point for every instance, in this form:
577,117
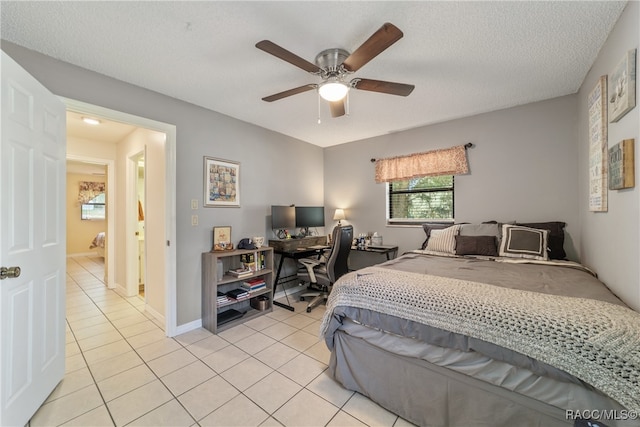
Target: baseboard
155,314
120,290
182,329
92,253
290,291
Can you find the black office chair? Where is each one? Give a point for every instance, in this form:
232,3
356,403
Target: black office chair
322,275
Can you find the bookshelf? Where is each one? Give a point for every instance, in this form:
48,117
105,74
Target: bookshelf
218,315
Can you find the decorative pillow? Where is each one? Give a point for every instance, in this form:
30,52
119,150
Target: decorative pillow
556,236
476,245
428,228
523,242
480,230
443,240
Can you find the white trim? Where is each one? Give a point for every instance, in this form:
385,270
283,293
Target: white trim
132,244
82,254
170,172
187,327
155,314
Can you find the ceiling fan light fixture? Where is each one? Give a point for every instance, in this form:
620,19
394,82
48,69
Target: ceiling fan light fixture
333,91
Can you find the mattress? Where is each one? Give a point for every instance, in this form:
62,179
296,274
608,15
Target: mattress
479,360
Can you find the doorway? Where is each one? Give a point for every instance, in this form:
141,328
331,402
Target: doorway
138,213
163,306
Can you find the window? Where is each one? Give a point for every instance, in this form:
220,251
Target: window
94,208
418,200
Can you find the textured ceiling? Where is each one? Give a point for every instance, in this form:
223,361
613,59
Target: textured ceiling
464,58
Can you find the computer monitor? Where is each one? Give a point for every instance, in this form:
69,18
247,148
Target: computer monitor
309,216
283,217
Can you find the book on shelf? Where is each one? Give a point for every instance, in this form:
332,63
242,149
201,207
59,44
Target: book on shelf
253,288
222,299
238,294
253,261
249,261
240,272
255,281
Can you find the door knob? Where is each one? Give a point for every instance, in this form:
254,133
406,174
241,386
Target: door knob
8,273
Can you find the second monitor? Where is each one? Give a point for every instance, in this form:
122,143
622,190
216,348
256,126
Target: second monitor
309,216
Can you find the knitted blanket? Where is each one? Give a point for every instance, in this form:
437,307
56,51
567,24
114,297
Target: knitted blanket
595,341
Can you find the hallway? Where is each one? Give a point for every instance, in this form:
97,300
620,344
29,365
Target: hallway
122,370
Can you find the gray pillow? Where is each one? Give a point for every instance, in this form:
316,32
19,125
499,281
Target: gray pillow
481,230
476,245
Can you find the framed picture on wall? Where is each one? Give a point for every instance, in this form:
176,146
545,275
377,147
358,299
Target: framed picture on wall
597,103
622,87
221,183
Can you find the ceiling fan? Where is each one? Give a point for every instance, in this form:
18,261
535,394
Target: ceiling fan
334,65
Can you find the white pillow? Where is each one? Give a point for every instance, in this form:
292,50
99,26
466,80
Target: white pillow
443,240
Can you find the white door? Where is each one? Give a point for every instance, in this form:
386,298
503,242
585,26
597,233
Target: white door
32,237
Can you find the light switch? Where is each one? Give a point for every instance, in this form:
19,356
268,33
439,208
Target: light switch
194,220
194,203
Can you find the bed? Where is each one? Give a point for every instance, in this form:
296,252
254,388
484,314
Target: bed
98,243
520,338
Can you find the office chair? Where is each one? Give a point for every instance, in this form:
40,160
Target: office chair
322,276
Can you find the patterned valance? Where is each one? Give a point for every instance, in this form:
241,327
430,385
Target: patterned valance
89,190
446,161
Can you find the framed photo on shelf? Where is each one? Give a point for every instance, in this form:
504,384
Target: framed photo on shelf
622,87
221,183
222,238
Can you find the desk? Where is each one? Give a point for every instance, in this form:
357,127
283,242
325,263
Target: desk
293,249
388,250
362,258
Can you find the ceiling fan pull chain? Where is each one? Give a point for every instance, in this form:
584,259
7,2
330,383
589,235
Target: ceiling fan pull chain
319,121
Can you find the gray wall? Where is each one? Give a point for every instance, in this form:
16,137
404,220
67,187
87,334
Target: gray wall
530,163
523,167
610,240
265,172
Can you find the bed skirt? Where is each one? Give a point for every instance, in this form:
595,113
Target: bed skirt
398,383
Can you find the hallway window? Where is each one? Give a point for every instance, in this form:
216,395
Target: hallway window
95,208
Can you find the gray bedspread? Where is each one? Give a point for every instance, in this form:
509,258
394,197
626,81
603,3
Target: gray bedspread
546,279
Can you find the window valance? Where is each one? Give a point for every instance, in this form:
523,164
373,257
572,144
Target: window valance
89,190
446,161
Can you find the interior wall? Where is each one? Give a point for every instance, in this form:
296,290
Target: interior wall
523,167
274,169
91,149
152,143
611,240
80,233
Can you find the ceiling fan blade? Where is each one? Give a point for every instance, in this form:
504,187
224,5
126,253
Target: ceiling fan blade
285,55
337,108
387,35
390,88
289,92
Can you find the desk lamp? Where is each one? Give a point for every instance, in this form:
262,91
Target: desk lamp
339,216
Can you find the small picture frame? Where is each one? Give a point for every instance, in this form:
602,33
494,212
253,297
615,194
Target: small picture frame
622,87
221,183
222,239
621,164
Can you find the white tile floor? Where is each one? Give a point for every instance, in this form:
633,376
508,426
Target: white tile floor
122,370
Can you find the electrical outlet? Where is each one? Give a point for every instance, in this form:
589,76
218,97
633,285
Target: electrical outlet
194,220
194,204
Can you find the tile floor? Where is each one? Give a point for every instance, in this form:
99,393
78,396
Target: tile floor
122,370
